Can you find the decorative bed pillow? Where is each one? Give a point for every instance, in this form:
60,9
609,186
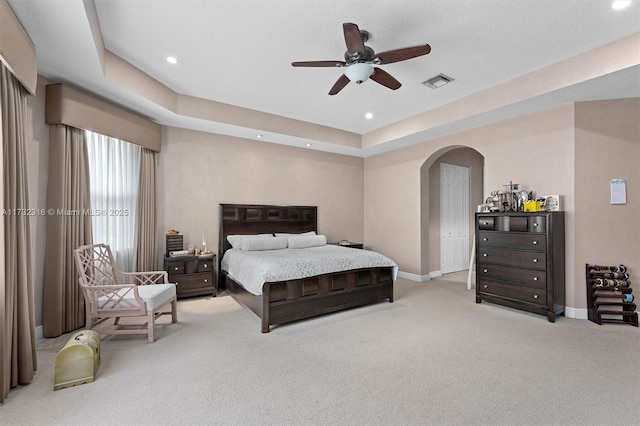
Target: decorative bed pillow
280,234
307,241
235,240
262,243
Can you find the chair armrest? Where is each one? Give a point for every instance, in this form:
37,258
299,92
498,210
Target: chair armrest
144,278
115,297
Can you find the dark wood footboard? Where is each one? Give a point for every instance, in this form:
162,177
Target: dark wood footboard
287,301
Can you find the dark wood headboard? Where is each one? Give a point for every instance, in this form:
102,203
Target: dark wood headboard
244,219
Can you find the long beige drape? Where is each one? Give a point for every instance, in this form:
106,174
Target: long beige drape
68,227
17,318
146,235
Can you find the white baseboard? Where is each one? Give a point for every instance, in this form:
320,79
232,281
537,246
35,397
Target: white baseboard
39,332
576,313
419,278
413,277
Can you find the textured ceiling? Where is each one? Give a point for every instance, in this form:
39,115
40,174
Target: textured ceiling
239,52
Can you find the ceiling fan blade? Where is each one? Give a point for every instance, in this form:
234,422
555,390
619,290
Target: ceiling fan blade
384,78
339,85
403,54
319,64
353,38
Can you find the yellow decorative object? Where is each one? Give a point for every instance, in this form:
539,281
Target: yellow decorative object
532,206
78,361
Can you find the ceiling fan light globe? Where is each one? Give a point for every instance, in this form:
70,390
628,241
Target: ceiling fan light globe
358,72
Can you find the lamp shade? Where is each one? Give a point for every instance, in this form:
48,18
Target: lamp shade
358,72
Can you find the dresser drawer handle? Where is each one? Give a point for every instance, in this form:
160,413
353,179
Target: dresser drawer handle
206,280
484,255
485,271
535,278
205,265
535,260
535,296
485,286
485,239
175,268
535,243
535,224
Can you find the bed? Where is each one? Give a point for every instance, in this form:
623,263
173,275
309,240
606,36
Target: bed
287,300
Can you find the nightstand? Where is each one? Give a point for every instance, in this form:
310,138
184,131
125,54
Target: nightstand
349,244
194,275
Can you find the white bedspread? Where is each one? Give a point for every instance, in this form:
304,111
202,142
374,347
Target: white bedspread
254,268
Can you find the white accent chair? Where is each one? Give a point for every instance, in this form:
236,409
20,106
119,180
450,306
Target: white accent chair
111,293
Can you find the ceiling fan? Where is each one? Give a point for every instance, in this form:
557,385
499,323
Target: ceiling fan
359,60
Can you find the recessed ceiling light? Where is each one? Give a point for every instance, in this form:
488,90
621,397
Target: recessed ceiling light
368,115
308,144
259,136
172,60
620,4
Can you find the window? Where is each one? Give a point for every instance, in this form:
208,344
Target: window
114,168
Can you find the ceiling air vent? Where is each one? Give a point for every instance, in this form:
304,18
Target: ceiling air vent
437,81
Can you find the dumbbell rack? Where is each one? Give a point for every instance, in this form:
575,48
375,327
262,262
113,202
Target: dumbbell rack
609,297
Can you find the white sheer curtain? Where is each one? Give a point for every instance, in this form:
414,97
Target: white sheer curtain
114,167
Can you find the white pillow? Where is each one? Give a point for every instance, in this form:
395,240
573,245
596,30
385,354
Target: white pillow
234,240
279,234
261,243
306,241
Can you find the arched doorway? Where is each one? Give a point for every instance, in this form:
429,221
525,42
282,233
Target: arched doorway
430,193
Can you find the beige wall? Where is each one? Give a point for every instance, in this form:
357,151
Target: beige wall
607,147
392,206
198,171
534,150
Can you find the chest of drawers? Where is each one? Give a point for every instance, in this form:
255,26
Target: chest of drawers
520,261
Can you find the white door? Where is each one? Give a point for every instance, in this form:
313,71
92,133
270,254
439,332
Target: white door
454,218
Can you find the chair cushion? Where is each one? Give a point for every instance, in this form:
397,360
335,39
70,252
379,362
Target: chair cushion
153,295
156,295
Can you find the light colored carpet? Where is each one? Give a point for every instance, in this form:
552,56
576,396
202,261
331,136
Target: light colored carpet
433,356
